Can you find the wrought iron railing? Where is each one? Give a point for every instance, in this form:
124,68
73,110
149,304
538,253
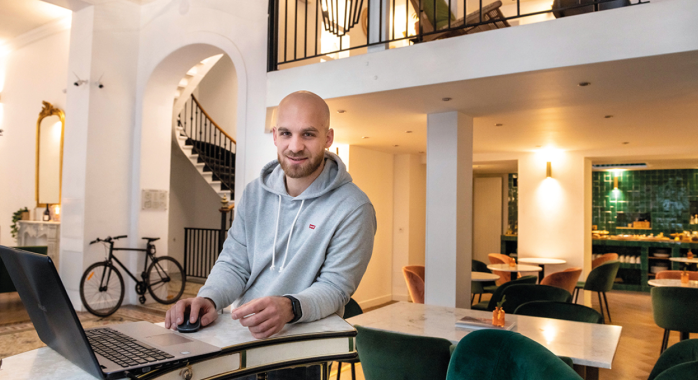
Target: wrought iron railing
203,245
216,149
322,30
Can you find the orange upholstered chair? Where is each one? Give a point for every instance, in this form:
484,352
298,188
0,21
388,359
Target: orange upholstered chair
676,275
414,276
567,279
498,258
602,259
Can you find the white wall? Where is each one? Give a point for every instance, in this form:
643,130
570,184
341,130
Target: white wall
372,172
32,73
218,94
487,217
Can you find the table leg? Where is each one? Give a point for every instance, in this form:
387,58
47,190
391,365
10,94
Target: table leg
684,335
586,372
541,274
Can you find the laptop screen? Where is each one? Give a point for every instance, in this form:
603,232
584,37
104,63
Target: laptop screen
49,307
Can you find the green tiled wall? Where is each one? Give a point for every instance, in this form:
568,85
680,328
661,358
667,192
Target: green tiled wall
666,195
513,202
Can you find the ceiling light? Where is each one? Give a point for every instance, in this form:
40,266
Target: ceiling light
626,142
396,146
608,116
364,137
583,84
408,131
341,111
498,125
445,99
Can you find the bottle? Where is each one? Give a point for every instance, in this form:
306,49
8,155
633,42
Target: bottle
47,214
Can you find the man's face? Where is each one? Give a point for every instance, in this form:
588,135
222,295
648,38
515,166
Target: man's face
301,138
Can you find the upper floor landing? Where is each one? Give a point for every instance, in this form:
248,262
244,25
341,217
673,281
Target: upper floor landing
526,37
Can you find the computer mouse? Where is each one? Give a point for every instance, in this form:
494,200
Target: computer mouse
188,327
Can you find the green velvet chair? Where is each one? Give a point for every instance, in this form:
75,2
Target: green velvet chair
480,287
600,280
389,355
519,294
675,308
351,309
683,352
499,354
559,310
6,285
497,295
685,371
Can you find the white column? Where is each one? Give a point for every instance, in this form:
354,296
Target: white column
378,22
449,215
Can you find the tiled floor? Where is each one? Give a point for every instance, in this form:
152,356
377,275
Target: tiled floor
637,352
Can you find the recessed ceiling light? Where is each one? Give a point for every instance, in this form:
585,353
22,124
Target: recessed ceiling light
446,99
583,84
498,125
396,146
408,131
364,137
341,111
608,116
626,142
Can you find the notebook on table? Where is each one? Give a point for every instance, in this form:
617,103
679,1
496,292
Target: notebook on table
107,352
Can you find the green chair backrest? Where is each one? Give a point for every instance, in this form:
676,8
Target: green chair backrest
352,309
683,352
675,308
601,278
559,310
478,287
685,371
389,355
479,266
500,354
519,294
442,13
497,295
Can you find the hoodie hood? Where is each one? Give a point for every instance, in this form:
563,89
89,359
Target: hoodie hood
333,176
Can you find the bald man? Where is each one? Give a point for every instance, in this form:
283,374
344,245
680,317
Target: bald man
302,236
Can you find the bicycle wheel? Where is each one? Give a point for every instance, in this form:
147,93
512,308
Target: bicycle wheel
101,289
165,279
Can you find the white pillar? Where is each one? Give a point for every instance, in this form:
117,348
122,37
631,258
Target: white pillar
449,215
378,21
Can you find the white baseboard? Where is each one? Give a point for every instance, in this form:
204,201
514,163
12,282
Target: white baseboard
375,301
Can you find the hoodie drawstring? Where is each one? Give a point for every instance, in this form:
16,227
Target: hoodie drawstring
276,232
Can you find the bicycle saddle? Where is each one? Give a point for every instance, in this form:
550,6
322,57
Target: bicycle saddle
150,239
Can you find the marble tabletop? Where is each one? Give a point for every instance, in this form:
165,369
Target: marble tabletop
45,363
541,260
516,268
483,276
587,344
672,282
684,259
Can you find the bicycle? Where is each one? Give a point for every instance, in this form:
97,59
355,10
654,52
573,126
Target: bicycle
102,286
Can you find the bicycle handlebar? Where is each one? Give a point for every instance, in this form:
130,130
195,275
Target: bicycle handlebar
120,237
109,239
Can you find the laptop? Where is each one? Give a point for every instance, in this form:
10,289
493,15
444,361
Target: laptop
107,352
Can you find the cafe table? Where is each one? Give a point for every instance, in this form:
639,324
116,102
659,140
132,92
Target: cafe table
541,262
590,346
685,260
319,342
672,282
483,276
515,268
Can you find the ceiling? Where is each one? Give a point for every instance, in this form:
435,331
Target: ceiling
653,102
20,16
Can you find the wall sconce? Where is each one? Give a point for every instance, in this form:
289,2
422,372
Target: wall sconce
548,170
615,183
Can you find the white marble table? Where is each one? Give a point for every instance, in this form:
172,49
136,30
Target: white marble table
587,344
672,282
483,276
515,268
685,260
541,262
242,354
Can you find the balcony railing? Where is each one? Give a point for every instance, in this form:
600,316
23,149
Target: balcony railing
310,31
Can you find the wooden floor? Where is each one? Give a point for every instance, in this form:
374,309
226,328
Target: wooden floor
637,352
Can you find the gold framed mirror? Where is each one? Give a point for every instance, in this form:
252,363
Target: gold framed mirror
49,155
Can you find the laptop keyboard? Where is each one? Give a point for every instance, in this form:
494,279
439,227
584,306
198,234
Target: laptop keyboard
122,349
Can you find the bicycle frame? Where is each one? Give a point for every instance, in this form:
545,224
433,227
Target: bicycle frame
128,272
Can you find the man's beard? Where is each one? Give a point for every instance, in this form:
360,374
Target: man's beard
303,170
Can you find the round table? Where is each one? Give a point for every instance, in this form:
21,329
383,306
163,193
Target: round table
541,261
684,260
515,268
483,276
672,282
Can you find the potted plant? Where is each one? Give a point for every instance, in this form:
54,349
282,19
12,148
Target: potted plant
21,214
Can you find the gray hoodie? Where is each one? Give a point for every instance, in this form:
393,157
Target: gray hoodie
315,247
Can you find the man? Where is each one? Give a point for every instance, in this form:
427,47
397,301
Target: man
302,235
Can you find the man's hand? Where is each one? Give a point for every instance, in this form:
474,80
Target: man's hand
270,315
198,306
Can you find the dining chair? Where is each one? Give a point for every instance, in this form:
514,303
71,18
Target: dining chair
497,295
559,310
685,371
500,354
351,309
498,258
414,276
603,258
519,294
683,352
480,287
675,275
437,13
600,280
391,355
675,308
567,279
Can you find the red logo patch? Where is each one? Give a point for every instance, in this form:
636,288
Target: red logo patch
312,226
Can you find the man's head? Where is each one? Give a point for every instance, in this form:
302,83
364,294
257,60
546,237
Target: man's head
302,133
